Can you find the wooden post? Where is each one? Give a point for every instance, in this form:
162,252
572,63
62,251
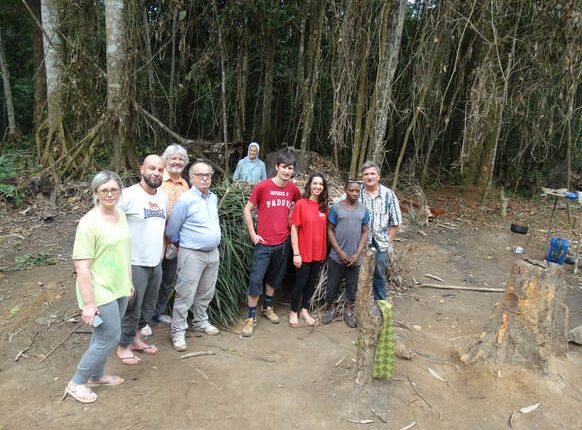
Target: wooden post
530,325
369,320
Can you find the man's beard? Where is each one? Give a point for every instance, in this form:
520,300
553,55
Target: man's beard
148,180
175,170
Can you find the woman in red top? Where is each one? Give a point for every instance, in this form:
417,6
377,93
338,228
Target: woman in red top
308,239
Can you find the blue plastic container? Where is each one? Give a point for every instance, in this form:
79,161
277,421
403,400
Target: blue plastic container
558,250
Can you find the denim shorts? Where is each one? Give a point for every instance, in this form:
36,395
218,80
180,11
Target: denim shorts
269,267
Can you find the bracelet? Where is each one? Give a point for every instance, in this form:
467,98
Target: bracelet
296,255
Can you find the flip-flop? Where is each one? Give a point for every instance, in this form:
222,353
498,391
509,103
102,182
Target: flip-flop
110,380
126,360
80,393
149,350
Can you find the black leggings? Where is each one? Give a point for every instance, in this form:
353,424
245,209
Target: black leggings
305,279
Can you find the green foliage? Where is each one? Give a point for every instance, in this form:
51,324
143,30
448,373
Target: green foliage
23,262
236,252
8,174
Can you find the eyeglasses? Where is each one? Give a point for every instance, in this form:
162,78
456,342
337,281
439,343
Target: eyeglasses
106,191
203,175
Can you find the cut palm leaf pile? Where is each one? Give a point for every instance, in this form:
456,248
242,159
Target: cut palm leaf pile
236,252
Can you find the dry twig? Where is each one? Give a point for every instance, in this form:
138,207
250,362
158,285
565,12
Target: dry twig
61,342
196,354
417,393
455,287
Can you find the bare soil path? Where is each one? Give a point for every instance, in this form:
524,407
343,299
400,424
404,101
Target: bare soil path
284,378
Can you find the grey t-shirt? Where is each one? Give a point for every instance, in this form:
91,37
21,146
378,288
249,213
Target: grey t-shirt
348,223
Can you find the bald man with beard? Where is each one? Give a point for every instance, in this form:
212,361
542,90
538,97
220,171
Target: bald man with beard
146,210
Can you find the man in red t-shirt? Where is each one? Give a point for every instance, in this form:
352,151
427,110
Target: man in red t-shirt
272,198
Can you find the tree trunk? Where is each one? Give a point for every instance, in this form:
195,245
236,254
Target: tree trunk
53,144
241,88
504,96
343,85
149,66
172,101
119,95
529,327
7,91
268,91
391,36
39,79
313,78
369,320
222,50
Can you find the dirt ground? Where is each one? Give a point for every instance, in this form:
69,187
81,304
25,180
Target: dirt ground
284,378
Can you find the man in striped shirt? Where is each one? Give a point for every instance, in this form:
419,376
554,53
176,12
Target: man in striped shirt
385,217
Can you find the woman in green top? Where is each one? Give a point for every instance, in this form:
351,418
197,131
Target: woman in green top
102,262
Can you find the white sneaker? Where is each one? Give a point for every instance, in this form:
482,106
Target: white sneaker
179,342
165,319
207,328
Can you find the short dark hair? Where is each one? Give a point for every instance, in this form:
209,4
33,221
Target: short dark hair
352,181
286,158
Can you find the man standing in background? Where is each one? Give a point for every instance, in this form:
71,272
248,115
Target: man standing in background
385,218
175,158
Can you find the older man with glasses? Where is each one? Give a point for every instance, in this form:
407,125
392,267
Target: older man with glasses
195,227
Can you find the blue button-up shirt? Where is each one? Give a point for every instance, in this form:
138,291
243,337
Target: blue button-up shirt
194,221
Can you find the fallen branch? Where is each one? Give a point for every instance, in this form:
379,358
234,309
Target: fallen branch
268,360
196,354
455,287
436,278
417,393
22,353
358,421
61,342
380,417
341,361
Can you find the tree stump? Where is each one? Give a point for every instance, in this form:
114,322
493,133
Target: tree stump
369,320
530,325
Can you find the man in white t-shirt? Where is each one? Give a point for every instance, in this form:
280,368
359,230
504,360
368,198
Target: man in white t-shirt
146,209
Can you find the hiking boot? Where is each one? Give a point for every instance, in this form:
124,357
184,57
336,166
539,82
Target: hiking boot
270,314
350,319
179,342
249,327
328,316
207,328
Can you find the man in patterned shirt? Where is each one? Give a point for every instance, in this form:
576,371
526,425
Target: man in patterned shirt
385,218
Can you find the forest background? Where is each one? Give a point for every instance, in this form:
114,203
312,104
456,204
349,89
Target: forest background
476,92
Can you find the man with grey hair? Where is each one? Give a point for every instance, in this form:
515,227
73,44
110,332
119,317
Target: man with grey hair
175,159
385,217
195,227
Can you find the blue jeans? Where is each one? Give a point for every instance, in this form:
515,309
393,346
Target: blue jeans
380,290
104,339
269,267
